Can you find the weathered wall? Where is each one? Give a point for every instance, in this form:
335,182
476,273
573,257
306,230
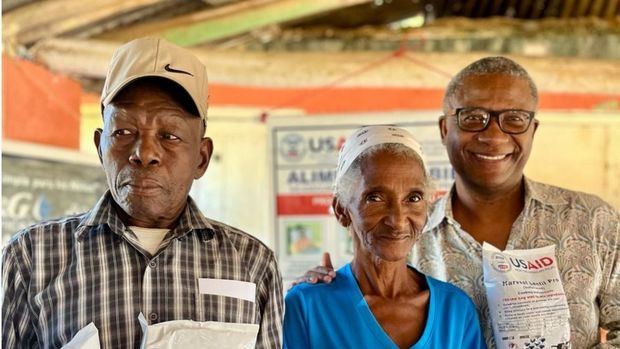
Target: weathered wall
579,151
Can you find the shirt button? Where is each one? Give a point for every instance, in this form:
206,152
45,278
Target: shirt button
153,264
153,316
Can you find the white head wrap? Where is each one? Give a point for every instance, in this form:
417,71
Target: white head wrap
369,136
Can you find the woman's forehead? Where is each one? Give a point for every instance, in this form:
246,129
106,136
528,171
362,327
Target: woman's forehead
371,157
386,165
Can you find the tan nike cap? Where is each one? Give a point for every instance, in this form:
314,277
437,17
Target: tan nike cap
154,57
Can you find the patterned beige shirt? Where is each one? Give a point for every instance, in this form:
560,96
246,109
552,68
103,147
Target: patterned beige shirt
586,232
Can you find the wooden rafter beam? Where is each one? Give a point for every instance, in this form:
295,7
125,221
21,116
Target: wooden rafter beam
468,9
567,10
596,7
582,7
524,8
45,19
513,7
610,10
90,58
537,9
8,5
230,20
482,8
553,8
497,4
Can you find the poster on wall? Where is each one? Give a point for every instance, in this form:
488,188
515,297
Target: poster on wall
35,190
303,167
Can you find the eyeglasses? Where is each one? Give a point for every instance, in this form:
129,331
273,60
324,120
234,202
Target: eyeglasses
512,121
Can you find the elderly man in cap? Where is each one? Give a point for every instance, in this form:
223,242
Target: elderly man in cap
488,130
144,247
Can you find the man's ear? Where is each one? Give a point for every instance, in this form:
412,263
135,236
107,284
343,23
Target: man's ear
536,123
443,129
97,139
342,215
206,150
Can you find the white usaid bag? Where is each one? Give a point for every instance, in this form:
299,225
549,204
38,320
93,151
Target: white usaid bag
182,334
526,298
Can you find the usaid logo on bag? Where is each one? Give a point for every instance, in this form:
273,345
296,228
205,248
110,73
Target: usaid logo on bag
537,264
505,264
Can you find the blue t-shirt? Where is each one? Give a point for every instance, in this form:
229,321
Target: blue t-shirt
336,315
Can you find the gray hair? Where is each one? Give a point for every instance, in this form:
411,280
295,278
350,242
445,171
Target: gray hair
343,188
485,66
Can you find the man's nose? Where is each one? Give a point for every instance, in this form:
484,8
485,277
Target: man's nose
493,134
146,152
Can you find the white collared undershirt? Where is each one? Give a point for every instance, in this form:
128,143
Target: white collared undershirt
150,238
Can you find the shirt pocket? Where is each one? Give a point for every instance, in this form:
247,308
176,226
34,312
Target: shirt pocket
225,301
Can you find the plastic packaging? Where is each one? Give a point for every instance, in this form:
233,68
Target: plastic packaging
526,298
194,334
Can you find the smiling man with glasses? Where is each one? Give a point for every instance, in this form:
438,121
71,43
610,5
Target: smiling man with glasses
488,129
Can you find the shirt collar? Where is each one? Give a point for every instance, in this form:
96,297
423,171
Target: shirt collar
441,210
540,192
104,213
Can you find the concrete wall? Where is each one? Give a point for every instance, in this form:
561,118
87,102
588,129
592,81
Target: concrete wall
580,151
236,188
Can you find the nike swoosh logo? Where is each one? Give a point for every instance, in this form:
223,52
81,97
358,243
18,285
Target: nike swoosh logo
172,70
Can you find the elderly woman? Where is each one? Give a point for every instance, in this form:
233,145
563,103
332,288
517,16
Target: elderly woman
381,196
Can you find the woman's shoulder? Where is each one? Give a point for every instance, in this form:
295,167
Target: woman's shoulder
319,290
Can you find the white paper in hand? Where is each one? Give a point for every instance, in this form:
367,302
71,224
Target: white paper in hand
194,334
526,298
86,338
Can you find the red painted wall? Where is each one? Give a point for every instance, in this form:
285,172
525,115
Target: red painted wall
369,99
361,99
39,106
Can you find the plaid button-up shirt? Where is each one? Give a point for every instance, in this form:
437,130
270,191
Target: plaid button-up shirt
58,276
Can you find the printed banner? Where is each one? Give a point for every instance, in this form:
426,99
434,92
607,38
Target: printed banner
36,190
